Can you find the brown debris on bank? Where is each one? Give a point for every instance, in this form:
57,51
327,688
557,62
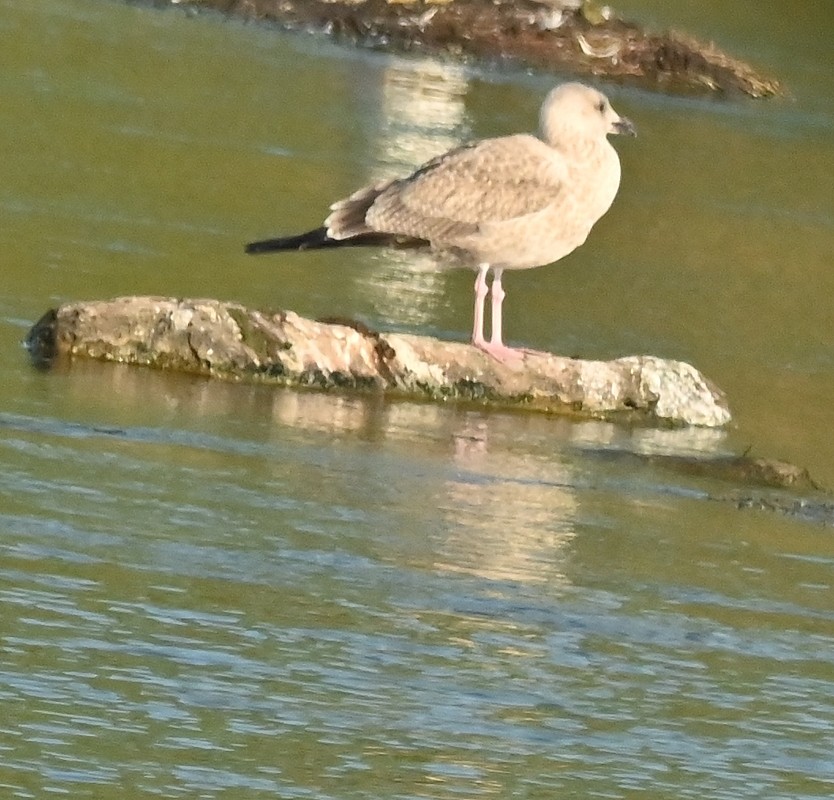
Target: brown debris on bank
588,40
228,340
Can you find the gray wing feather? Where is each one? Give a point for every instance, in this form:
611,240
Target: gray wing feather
347,217
451,196
494,180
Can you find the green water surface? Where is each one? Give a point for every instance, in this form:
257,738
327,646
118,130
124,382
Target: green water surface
211,590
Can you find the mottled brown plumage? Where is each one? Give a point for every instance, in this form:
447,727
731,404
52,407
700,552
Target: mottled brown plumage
513,202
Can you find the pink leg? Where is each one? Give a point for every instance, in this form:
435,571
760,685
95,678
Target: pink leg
495,346
481,291
498,293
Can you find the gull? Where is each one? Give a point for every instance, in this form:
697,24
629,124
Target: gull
506,203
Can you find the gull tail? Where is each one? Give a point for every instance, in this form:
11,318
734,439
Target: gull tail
317,239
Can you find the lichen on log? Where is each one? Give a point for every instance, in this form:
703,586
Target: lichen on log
578,37
228,340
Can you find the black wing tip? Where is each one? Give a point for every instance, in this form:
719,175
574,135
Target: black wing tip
318,239
267,246
311,239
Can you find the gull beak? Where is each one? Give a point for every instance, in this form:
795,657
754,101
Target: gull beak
624,125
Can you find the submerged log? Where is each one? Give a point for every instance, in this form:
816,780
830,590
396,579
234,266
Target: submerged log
758,484
228,340
741,470
583,38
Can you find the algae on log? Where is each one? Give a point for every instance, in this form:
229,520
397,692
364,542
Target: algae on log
759,484
229,340
563,35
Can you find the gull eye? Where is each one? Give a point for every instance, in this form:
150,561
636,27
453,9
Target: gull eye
601,106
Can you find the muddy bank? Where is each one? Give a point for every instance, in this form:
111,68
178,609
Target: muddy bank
589,40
